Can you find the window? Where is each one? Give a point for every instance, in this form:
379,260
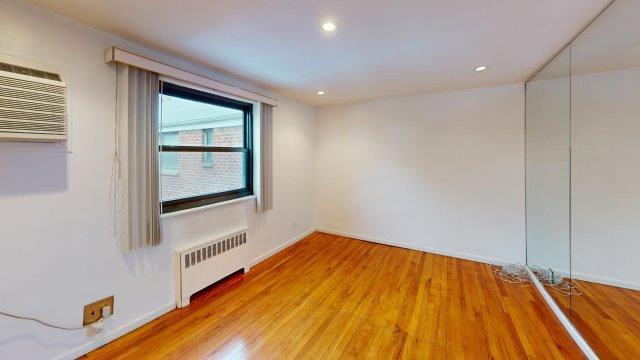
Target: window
170,160
197,127
207,158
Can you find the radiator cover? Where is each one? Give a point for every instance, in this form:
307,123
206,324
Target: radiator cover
200,265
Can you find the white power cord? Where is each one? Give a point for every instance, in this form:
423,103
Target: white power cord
105,312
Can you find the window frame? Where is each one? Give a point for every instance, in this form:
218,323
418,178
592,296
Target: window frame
187,93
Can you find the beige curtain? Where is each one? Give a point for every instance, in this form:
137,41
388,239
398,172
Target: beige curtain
137,200
265,199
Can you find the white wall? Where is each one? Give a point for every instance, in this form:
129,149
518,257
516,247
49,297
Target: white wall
440,172
605,120
57,252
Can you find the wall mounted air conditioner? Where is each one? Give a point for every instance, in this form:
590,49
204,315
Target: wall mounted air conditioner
33,105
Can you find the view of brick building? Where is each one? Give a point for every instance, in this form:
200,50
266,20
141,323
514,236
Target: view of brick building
187,174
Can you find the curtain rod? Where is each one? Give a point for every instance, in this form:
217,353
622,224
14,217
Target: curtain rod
115,54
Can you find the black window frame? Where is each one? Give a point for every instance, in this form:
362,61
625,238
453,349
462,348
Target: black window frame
187,93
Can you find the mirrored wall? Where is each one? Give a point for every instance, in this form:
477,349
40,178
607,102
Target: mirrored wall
583,180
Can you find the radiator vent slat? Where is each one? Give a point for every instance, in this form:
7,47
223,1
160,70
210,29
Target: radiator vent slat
210,251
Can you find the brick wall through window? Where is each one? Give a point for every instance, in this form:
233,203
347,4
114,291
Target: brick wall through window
198,174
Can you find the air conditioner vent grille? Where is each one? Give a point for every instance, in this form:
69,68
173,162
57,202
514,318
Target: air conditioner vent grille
31,95
32,85
16,69
30,115
31,106
31,127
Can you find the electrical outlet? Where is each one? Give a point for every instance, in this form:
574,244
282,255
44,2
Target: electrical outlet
93,311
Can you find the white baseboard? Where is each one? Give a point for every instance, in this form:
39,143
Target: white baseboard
597,279
454,254
606,281
276,250
116,333
573,332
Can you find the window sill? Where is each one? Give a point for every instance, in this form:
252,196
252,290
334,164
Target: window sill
206,207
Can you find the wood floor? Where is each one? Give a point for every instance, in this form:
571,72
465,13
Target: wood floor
330,297
608,317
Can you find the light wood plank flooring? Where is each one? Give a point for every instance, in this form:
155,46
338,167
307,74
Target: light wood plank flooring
608,317
331,297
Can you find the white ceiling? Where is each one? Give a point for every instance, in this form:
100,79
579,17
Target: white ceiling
381,49
611,42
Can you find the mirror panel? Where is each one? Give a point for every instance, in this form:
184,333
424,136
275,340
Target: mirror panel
548,180
605,162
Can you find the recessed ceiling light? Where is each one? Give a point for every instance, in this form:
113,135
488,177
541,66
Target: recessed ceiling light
480,68
320,92
329,26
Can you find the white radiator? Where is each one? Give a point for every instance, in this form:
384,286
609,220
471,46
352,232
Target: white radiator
201,265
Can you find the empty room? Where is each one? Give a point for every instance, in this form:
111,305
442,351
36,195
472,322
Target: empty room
319,179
